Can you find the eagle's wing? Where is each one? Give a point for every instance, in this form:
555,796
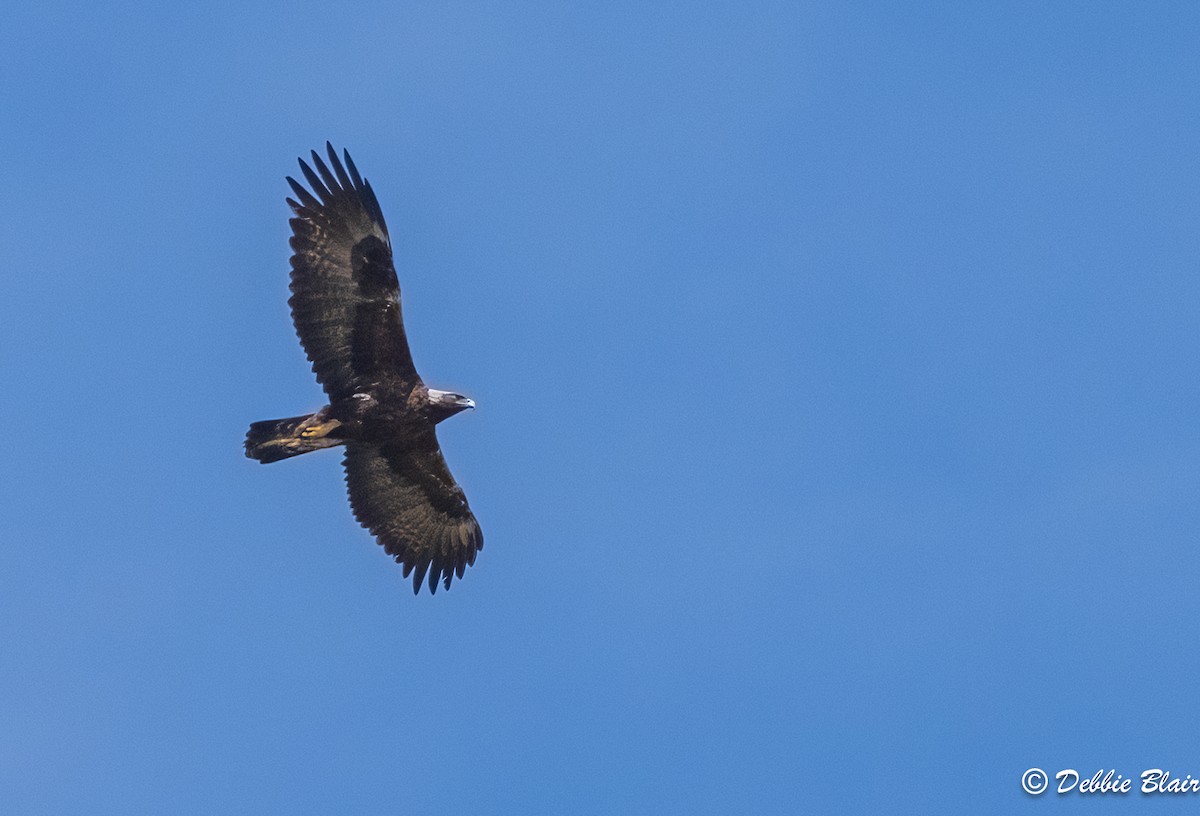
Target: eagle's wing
345,297
404,494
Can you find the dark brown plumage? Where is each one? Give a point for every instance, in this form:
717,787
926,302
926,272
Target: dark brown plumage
346,308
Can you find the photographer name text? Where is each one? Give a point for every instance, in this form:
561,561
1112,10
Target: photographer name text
1151,781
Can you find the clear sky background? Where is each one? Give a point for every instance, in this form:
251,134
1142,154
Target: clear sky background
837,444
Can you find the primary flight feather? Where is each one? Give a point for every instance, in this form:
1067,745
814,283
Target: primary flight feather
346,308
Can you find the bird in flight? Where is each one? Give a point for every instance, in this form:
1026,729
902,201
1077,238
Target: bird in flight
346,308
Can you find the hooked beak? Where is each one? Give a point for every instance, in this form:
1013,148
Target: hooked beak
465,403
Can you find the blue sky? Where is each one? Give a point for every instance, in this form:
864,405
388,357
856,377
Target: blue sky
837,442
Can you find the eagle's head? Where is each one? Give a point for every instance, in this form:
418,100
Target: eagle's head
445,404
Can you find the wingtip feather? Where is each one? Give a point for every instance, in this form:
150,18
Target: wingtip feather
419,576
340,171
358,182
314,181
331,183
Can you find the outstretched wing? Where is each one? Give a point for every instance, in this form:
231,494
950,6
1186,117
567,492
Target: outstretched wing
405,495
345,297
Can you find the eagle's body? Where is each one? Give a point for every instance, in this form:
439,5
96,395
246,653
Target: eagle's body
346,309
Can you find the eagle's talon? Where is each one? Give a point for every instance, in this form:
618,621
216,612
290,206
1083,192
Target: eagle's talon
318,431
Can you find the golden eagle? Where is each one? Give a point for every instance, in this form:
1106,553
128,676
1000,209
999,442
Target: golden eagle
346,307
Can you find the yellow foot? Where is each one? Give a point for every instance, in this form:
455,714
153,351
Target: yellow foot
318,431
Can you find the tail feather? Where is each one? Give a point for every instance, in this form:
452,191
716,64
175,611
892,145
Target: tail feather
275,439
